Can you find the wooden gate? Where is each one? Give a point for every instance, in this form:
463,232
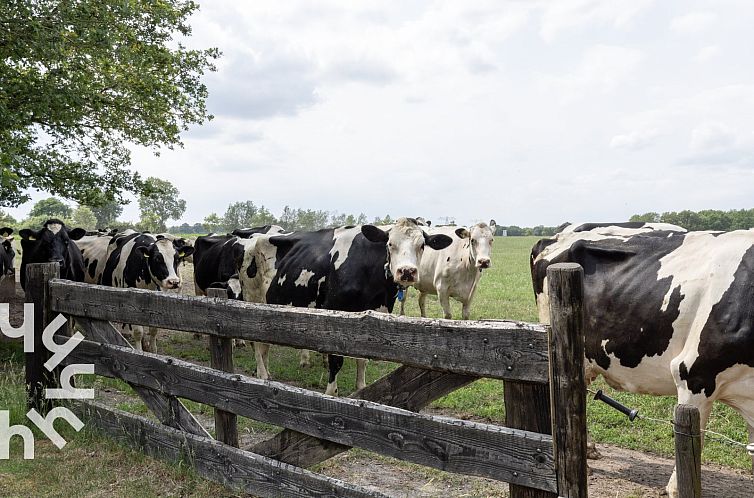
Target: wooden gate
437,357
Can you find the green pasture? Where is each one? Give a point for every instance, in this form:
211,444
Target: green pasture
504,292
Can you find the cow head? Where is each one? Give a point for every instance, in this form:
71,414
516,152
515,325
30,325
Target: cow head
7,254
405,243
480,238
163,257
50,244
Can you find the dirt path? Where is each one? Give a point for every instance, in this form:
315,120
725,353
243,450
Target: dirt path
620,473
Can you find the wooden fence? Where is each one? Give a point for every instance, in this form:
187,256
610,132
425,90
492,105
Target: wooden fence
541,368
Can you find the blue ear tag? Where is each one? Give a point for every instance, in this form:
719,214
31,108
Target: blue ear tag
401,295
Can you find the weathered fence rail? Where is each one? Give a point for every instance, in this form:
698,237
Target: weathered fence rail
439,356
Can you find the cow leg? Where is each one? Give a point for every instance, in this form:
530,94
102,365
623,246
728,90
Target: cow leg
152,340
403,305
304,361
138,332
445,303
466,310
422,304
361,373
260,353
335,363
239,343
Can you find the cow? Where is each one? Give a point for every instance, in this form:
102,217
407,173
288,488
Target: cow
351,268
215,260
144,261
94,249
455,271
53,244
7,254
668,312
7,262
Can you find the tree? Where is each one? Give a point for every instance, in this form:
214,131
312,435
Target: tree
650,217
6,220
50,208
240,215
80,80
159,203
84,217
107,212
212,222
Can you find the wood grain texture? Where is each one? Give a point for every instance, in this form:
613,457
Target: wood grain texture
38,378
221,358
688,451
168,409
497,349
527,407
214,460
405,387
568,386
448,444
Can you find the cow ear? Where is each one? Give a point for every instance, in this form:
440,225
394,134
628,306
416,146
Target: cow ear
143,250
76,233
437,242
462,233
5,231
185,251
429,223
374,234
28,234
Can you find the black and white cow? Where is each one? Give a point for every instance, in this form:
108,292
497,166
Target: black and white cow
352,268
668,312
217,257
53,243
455,271
94,250
7,254
144,261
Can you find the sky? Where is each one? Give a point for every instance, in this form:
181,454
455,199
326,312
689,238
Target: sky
528,112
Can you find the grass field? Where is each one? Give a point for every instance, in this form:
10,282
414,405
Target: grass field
504,292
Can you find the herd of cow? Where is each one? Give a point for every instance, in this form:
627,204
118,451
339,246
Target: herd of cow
669,312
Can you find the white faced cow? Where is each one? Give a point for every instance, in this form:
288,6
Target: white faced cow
455,271
668,312
144,261
353,268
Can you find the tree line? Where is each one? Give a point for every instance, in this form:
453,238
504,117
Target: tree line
707,219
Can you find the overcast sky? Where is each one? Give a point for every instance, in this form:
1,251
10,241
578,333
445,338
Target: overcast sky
523,111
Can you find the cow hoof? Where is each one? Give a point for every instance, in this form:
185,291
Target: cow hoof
592,453
240,343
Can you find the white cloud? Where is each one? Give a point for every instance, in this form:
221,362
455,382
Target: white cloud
602,69
692,23
564,15
707,53
635,140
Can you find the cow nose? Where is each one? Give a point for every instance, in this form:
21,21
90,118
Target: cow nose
483,263
407,274
173,283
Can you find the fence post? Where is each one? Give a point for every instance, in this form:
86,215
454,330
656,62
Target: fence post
567,384
688,452
37,377
221,357
527,407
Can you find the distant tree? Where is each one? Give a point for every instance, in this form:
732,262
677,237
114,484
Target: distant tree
650,217
6,220
387,220
84,217
107,212
240,215
50,207
213,223
160,203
